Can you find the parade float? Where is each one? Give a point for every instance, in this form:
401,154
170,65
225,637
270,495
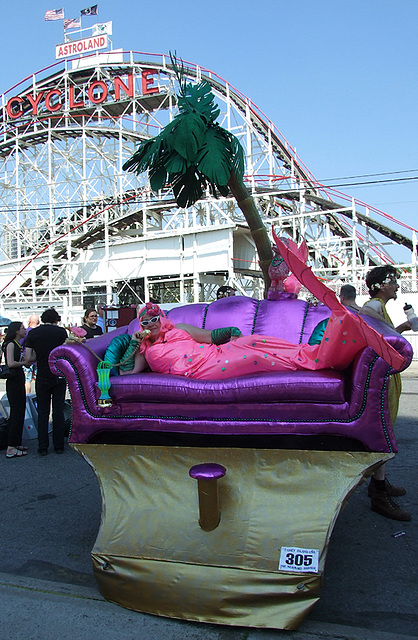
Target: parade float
219,497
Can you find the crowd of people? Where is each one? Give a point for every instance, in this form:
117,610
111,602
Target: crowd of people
158,344
26,352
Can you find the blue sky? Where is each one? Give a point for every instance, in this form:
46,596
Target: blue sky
338,78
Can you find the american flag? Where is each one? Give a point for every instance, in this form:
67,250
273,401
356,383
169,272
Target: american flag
54,14
72,23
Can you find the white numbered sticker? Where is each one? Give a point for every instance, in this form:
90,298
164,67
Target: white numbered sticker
295,559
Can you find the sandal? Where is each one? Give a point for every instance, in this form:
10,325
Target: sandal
19,454
21,448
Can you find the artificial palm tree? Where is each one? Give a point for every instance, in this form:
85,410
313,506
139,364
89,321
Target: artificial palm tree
193,152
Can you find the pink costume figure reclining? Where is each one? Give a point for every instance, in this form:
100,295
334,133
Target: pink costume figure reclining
174,351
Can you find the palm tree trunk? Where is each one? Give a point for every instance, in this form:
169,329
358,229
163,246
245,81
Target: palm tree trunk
259,234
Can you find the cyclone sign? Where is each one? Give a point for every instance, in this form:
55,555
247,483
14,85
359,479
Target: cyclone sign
96,92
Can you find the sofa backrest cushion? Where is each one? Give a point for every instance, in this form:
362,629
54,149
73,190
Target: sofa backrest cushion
293,320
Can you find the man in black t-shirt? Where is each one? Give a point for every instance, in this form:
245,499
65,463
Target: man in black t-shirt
39,344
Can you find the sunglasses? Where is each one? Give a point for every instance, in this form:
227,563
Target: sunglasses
145,323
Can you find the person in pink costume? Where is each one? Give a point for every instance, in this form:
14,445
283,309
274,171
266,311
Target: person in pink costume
189,351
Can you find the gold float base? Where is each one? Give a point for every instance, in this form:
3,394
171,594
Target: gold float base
152,556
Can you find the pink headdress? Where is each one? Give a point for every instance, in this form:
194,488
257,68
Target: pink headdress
151,309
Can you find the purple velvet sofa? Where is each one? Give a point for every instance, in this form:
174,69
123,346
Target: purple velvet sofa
325,409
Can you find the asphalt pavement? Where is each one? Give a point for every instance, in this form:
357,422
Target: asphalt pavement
50,516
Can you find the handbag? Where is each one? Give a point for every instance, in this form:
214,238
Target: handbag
4,433
5,371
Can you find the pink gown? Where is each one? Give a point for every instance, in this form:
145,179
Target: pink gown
178,353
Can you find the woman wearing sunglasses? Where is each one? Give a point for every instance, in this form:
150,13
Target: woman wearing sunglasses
186,350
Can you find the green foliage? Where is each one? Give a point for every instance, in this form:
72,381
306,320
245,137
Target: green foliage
187,135
224,191
145,156
199,99
175,163
215,159
237,155
158,177
188,187
193,151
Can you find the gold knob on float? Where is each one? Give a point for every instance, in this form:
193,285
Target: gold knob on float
207,476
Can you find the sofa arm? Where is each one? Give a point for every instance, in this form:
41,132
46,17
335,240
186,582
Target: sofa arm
369,372
78,364
395,339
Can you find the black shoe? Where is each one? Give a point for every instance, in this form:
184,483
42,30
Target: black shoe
58,450
43,452
382,503
392,490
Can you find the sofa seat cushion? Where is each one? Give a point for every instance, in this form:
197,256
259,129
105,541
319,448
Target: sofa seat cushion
284,386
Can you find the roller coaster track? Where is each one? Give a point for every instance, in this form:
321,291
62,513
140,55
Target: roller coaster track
296,179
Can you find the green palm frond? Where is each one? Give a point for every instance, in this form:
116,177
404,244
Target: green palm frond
237,154
193,147
158,177
175,163
196,98
178,67
187,187
150,151
199,99
193,152
187,135
214,188
145,156
224,191
214,159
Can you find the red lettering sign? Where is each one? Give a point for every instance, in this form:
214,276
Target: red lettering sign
35,102
97,92
80,46
49,96
103,87
10,107
148,81
119,84
73,103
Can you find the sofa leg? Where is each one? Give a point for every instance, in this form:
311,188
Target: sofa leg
207,476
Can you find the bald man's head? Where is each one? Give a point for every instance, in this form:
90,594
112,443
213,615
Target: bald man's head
33,321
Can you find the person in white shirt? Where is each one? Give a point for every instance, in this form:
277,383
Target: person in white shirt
383,286
100,316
